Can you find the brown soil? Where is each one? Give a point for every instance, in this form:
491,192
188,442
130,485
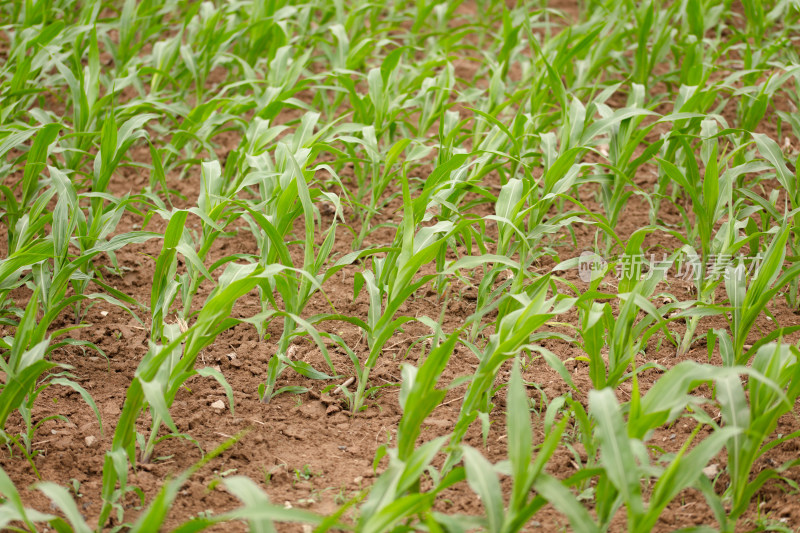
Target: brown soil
307,450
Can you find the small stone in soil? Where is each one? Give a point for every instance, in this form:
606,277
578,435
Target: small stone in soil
711,470
219,404
89,440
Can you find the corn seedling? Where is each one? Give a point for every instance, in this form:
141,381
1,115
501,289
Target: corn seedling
25,367
621,456
773,387
749,295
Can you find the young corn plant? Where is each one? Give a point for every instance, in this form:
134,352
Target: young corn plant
523,218
24,212
626,333
93,227
717,222
284,80
626,133
395,277
790,183
53,267
527,472
69,228
389,285
691,108
396,495
699,51
509,204
624,460
287,198
216,210
771,391
393,280
452,179
518,330
33,33
383,171
432,99
84,82
756,96
750,295
166,285
162,372
209,30
653,33
25,366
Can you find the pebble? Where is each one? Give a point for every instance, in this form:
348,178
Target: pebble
89,440
219,404
711,471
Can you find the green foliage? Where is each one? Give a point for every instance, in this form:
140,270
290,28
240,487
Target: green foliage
409,152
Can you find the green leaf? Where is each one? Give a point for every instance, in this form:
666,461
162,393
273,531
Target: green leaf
520,440
483,481
63,500
84,394
562,499
616,454
682,472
